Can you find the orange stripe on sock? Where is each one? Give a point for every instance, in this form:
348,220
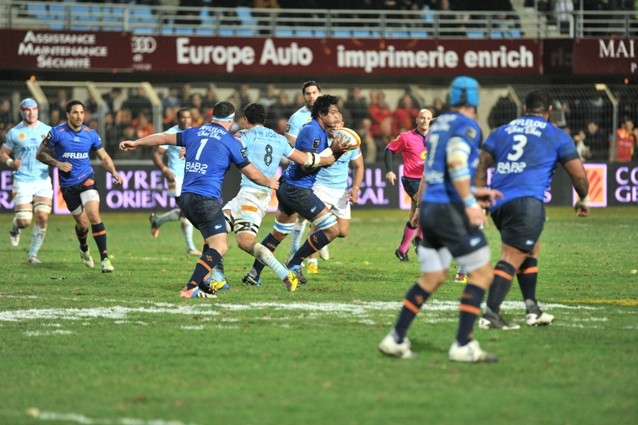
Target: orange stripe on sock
502,274
312,245
103,232
470,309
529,270
414,309
203,263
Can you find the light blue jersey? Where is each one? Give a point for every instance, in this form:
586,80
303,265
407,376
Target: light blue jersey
264,148
526,152
24,143
175,163
336,176
440,189
297,120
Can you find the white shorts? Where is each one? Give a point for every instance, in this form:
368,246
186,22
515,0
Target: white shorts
336,200
250,205
24,192
175,188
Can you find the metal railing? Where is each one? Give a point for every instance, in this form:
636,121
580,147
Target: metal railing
308,23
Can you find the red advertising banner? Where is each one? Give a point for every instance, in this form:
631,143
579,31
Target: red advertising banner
59,50
605,56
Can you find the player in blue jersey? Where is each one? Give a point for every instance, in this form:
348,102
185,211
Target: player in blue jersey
67,147
245,212
450,216
524,155
33,193
311,90
295,194
174,174
331,187
210,150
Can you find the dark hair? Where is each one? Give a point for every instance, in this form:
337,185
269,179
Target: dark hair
71,103
181,111
322,105
309,84
223,109
537,102
255,113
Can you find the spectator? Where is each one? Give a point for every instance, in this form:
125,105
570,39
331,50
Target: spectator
378,111
345,113
357,104
368,144
502,112
268,96
59,104
280,109
143,127
54,117
111,97
625,141
438,106
6,114
110,135
597,141
172,100
581,148
209,101
198,119
405,115
138,103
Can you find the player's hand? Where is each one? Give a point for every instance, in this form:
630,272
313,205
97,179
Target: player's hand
354,196
338,145
582,207
65,166
486,197
117,178
17,163
475,215
182,152
391,177
274,183
128,145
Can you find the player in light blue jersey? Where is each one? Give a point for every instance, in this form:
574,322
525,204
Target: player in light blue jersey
67,147
311,90
245,212
524,155
210,151
450,216
174,174
33,193
331,187
295,194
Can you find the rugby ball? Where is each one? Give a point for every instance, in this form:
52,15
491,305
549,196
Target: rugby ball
348,136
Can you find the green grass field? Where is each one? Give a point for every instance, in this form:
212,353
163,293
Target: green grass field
81,347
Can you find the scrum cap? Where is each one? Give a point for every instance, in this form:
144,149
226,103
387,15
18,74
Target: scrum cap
25,104
464,91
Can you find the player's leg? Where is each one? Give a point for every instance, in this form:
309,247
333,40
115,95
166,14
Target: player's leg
187,232
527,275
411,187
23,216
297,234
91,203
71,196
157,220
327,230
41,209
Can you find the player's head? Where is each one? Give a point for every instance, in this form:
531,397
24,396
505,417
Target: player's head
75,113
184,118
255,113
538,102
325,110
29,110
311,90
224,113
464,92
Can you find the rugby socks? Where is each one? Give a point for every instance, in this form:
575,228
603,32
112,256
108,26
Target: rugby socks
470,307
14,226
314,243
204,267
527,276
172,215
266,257
187,232
297,234
99,236
271,243
408,234
37,237
503,276
412,303
82,235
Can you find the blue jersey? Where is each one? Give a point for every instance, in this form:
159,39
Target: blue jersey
440,189
264,148
175,163
312,138
297,120
336,176
24,143
210,150
73,147
526,152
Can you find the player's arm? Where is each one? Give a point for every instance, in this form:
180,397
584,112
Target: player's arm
311,160
150,140
253,173
414,221
5,156
108,164
357,177
45,155
158,159
291,139
387,159
578,175
486,160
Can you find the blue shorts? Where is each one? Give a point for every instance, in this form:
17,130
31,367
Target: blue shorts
204,213
71,194
520,222
411,186
446,225
294,199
